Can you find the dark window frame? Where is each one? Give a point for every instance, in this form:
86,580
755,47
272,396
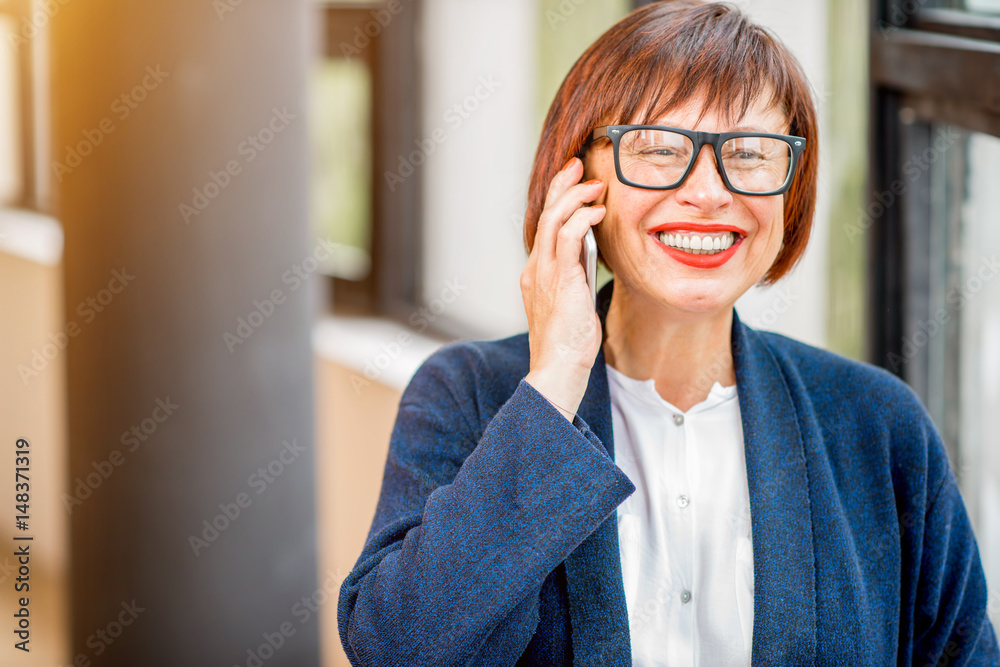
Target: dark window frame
391,288
926,69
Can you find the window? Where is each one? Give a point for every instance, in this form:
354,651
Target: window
934,238
389,150
20,28
364,112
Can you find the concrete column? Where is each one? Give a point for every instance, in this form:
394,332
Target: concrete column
181,177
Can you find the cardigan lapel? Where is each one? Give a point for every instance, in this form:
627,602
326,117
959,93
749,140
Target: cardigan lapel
784,576
784,624
598,616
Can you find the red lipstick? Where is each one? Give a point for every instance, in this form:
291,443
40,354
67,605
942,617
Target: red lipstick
695,227
698,261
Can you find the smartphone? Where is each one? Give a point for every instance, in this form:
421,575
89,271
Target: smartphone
588,257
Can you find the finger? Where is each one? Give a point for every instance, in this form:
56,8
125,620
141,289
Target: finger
550,270
576,196
571,173
553,218
570,239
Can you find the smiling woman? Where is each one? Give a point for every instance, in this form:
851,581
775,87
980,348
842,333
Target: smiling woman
657,483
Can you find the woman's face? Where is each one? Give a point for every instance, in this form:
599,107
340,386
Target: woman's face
644,265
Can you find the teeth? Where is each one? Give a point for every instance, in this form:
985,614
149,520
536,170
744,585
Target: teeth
699,244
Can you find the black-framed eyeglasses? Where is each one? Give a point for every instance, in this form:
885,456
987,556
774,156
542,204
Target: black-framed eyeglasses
657,157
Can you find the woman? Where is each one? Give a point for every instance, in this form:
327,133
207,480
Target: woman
656,483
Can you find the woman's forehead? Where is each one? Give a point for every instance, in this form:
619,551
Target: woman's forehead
761,115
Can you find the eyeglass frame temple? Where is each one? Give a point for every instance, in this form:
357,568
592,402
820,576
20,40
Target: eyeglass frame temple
700,139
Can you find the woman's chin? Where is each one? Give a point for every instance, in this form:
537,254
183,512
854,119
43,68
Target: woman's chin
680,295
696,295
695,303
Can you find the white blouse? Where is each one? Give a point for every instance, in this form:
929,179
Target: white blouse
686,550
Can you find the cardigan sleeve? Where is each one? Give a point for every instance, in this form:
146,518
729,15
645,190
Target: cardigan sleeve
468,526
951,626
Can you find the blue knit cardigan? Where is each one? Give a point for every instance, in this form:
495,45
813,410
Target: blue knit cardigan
495,542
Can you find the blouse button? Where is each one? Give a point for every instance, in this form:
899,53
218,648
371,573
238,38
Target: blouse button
686,597
678,419
682,501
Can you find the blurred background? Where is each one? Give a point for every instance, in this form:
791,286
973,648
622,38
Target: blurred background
231,231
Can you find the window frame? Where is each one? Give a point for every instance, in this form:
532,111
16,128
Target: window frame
391,288
30,197
923,71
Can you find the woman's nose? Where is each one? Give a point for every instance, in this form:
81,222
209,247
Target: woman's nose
704,186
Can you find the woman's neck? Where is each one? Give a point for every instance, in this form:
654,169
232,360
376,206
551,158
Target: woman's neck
684,352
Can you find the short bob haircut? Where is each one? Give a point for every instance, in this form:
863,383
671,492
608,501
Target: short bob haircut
662,55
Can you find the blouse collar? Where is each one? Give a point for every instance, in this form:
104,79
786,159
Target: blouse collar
645,391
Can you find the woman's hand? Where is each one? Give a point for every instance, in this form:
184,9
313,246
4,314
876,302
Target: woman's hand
564,331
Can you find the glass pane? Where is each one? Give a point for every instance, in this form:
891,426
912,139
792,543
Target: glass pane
976,6
977,298
953,312
983,6
340,141
757,164
10,140
654,157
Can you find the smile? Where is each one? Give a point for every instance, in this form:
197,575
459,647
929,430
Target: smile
698,243
699,249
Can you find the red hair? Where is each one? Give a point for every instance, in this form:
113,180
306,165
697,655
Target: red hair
660,56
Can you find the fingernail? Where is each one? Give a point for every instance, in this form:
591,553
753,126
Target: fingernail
594,181
597,206
567,165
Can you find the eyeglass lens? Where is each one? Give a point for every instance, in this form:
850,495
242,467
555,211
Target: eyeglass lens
660,158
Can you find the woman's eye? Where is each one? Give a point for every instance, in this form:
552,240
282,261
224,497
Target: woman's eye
749,155
660,151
